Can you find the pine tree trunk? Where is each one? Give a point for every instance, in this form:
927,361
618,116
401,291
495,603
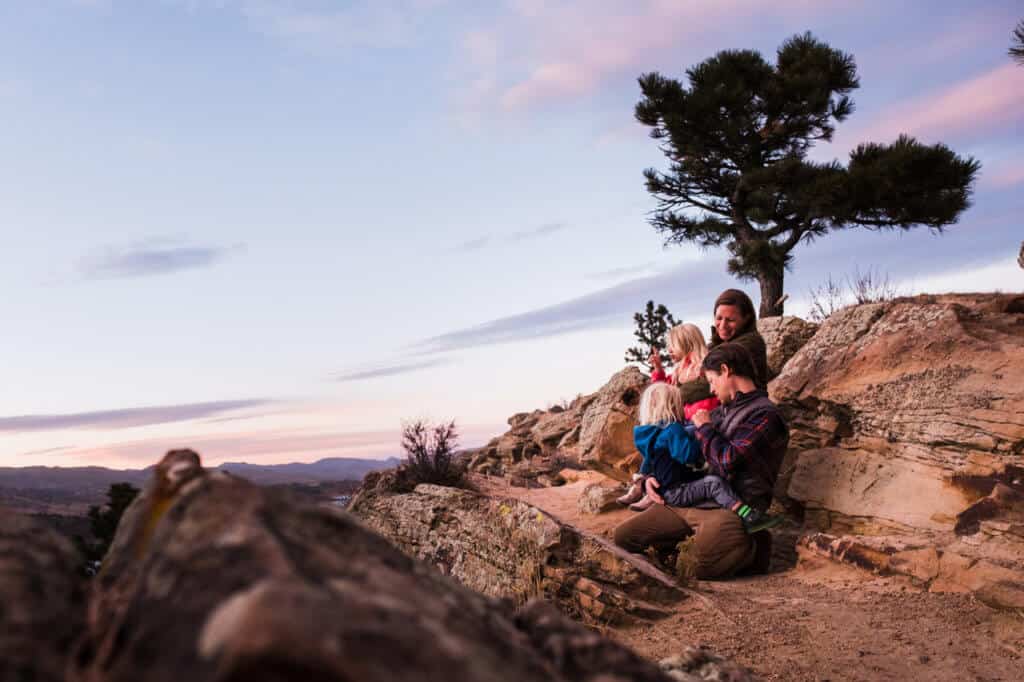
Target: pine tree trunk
771,293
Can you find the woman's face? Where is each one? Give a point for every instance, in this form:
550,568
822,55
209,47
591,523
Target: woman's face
728,319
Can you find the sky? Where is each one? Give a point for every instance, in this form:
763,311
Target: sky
272,230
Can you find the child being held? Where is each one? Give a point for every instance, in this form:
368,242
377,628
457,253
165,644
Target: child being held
670,451
687,348
671,457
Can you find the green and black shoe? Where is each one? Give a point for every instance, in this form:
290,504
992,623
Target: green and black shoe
755,520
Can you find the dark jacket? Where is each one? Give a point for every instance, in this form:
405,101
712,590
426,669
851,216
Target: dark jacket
745,444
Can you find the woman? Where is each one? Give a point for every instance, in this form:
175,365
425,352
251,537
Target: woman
735,321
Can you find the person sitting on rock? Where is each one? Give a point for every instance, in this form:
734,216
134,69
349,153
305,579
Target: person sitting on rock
672,458
687,349
743,441
735,321
666,441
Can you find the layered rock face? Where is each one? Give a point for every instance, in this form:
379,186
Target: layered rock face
783,337
213,578
509,549
42,604
905,416
595,430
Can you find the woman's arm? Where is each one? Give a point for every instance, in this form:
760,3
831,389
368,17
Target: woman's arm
695,390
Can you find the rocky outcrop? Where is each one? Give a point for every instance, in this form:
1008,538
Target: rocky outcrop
595,429
506,548
533,437
606,431
213,578
42,606
905,415
783,337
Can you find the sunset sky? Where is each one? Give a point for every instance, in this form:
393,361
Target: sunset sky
272,229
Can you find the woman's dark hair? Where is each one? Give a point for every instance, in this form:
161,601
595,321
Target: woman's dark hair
734,356
737,298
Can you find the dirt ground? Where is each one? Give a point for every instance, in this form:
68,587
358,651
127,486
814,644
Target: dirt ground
817,620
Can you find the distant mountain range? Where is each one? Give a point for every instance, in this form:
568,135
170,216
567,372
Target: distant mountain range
70,489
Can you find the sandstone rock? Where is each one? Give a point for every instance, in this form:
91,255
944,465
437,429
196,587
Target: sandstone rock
531,434
784,336
904,416
597,498
509,549
213,578
606,431
936,569
42,605
595,429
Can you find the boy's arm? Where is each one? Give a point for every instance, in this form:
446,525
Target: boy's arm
724,454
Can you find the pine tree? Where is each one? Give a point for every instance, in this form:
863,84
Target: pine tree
1017,47
652,327
737,140
103,521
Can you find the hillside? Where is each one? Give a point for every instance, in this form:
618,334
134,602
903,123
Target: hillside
71,490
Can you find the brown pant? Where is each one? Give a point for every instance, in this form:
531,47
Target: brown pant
721,545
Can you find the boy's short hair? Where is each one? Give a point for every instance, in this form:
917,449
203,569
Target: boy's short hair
734,356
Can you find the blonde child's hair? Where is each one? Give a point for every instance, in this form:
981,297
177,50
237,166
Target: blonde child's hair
687,340
661,403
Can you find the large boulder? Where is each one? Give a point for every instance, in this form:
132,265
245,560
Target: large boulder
509,549
42,604
905,415
783,337
213,578
606,431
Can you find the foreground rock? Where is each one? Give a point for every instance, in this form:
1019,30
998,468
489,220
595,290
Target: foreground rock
213,578
507,548
904,416
42,607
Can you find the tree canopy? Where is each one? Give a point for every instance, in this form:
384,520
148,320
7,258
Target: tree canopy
737,139
1017,47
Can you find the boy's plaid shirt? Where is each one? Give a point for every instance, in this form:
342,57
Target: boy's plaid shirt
763,436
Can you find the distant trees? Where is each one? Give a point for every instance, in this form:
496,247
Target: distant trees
651,331
104,520
737,137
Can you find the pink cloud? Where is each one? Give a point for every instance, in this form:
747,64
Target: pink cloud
993,100
571,49
1003,176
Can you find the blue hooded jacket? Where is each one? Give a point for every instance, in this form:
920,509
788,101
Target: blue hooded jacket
674,438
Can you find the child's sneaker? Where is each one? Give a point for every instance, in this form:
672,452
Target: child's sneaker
643,504
635,492
755,520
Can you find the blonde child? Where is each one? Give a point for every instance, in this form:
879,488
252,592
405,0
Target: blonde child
669,450
687,348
